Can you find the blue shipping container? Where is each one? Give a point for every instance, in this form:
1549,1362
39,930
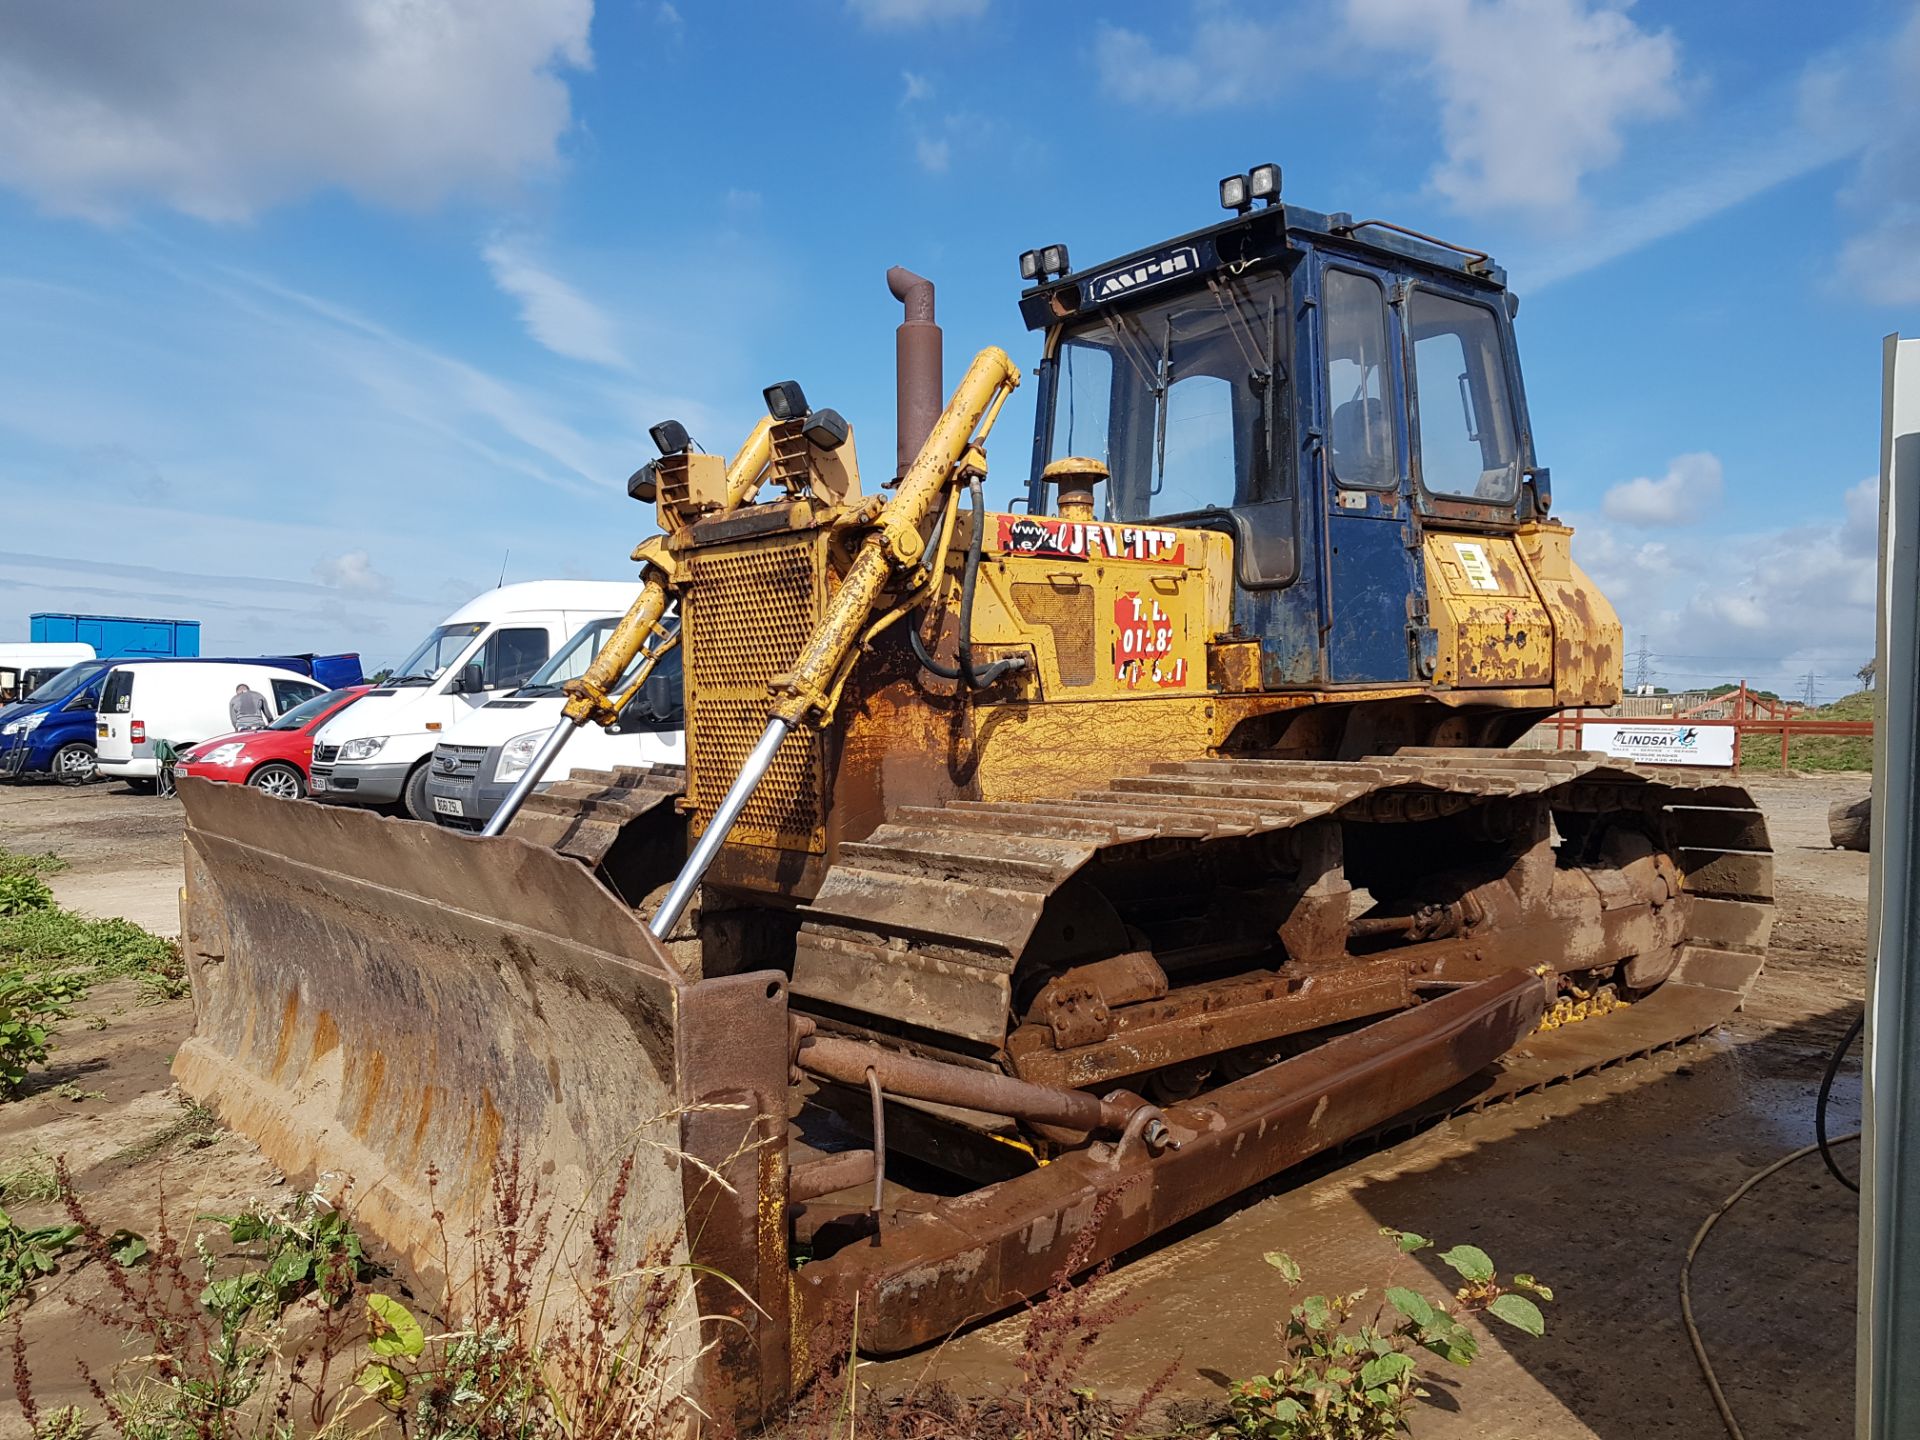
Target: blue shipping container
124,636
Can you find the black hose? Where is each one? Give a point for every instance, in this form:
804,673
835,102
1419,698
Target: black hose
1826,1091
975,679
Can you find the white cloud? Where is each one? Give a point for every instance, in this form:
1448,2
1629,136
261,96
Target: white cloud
1881,262
670,17
1534,94
221,110
1767,606
917,87
1690,488
555,314
742,203
1227,60
934,155
351,570
903,13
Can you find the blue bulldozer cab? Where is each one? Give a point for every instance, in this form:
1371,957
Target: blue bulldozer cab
52,731
1322,390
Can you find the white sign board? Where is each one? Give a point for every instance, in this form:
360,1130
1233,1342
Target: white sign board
1659,744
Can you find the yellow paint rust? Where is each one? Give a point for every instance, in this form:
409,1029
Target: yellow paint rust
1493,630
1587,654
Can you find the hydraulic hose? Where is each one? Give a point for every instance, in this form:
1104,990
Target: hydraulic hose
964,671
1826,1091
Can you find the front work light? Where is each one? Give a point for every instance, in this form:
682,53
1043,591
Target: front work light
1053,260
670,437
644,484
1029,264
786,400
1233,193
1263,182
826,429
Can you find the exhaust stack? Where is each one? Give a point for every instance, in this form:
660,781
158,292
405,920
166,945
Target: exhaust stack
917,358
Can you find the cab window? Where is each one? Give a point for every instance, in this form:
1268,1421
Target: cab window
510,657
1468,449
1360,421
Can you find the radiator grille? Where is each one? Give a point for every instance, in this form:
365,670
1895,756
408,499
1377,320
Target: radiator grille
747,611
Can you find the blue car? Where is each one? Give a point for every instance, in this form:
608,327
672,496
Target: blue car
51,731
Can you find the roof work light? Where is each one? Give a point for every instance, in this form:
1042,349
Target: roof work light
1263,182
1044,263
1233,194
670,437
786,400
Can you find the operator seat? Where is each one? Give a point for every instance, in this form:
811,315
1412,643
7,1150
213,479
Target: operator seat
1354,423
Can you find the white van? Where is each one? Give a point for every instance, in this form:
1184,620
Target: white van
483,756
376,751
27,664
182,702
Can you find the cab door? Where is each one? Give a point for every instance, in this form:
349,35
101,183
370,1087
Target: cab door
1369,552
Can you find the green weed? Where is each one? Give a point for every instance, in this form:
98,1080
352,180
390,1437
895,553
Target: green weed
56,938
20,894
15,862
29,1004
1342,1377
28,1178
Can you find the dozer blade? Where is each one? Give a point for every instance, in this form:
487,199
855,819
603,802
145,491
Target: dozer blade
417,1010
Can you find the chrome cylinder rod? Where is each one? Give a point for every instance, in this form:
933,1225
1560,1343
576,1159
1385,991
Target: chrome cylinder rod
715,835
549,751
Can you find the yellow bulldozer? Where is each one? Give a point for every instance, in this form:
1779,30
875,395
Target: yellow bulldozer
1036,878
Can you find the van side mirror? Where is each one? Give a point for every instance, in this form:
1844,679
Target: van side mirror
662,696
472,679
82,701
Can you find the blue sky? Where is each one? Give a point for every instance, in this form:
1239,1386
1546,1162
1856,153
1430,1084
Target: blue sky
315,312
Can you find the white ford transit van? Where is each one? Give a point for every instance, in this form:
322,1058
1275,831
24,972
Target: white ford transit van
376,752
482,757
182,702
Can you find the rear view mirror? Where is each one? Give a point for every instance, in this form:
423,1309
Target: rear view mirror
471,680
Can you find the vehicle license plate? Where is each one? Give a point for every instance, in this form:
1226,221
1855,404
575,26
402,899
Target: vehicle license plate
447,805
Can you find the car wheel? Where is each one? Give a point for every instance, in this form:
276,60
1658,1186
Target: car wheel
283,782
415,795
74,764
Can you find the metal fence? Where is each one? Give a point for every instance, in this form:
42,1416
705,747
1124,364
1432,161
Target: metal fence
1555,734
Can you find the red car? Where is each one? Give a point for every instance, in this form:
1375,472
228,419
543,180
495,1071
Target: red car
273,760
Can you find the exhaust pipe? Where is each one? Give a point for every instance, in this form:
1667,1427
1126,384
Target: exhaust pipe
917,361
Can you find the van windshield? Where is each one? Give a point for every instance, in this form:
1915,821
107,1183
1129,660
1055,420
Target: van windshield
573,658
439,650
74,677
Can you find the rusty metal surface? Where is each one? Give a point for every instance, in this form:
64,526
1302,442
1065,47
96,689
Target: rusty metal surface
974,1255
584,815
926,920
851,1062
390,1001
747,611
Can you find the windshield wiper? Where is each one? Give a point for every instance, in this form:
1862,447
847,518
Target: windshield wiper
397,680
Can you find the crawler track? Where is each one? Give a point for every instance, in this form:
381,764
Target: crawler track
926,922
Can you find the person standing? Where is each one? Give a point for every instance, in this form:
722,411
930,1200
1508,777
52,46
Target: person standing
248,709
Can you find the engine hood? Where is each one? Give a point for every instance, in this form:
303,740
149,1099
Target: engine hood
499,721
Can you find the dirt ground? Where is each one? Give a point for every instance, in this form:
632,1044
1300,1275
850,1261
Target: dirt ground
1600,1203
